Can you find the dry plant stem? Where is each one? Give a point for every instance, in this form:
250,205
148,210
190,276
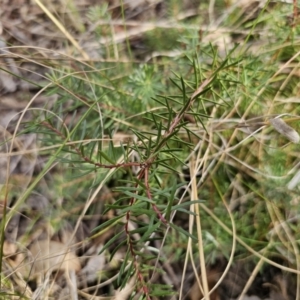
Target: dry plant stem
140,28
291,239
62,29
257,254
211,11
295,13
199,232
200,165
205,170
251,279
71,278
204,159
255,170
189,253
233,233
284,66
277,223
292,73
247,111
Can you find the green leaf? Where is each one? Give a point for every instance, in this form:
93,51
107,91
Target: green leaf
139,197
171,200
115,249
162,290
150,229
123,278
106,157
112,240
186,233
187,203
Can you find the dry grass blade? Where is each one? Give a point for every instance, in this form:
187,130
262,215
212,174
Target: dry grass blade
285,130
62,29
194,194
